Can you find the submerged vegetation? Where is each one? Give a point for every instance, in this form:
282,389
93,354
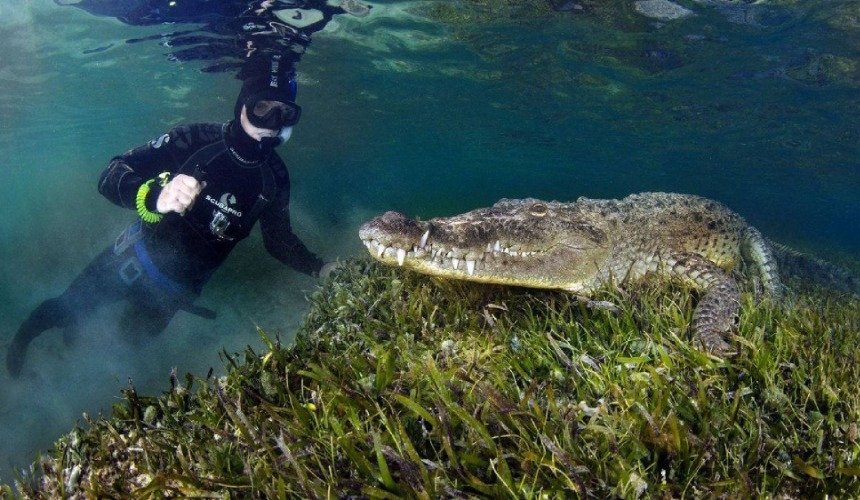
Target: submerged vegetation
401,386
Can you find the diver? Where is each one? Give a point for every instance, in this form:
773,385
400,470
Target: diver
198,190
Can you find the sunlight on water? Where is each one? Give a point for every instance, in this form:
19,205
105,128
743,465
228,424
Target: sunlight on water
400,113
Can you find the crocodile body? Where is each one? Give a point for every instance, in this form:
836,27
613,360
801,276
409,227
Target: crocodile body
581,246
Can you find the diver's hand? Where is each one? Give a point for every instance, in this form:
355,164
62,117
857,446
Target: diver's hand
179,194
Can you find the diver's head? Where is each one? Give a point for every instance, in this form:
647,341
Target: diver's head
266,108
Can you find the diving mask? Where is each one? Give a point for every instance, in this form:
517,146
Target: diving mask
269,110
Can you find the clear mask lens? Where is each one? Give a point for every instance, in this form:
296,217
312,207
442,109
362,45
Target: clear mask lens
274,115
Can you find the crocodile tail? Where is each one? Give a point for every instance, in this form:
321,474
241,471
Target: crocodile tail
820,272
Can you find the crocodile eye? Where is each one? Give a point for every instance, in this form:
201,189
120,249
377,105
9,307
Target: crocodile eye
538,209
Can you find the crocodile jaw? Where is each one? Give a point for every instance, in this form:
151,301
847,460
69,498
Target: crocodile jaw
434,248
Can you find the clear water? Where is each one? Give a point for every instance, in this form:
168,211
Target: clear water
400,113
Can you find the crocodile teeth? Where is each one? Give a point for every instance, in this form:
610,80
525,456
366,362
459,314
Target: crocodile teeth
401,256
424,238
380,250
455,263
498,246
470,267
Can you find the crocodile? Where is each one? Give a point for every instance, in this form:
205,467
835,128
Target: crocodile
581,246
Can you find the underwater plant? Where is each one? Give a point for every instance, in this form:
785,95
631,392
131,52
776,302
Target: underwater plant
401,386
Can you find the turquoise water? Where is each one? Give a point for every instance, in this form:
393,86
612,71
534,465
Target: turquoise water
404,113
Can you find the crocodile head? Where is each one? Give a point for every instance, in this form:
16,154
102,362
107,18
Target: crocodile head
528,242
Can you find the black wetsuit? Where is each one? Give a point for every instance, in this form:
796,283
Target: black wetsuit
161,267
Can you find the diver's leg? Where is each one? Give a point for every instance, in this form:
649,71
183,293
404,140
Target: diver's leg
97,285
144,319
49,314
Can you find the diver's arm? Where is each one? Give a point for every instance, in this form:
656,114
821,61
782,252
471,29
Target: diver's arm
125,174
121,181
282,243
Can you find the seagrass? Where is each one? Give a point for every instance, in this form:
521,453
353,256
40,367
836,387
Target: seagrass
402,386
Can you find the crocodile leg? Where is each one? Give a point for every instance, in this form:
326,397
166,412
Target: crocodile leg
756,249
716,315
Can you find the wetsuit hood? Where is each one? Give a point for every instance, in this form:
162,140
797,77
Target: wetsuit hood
277,85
